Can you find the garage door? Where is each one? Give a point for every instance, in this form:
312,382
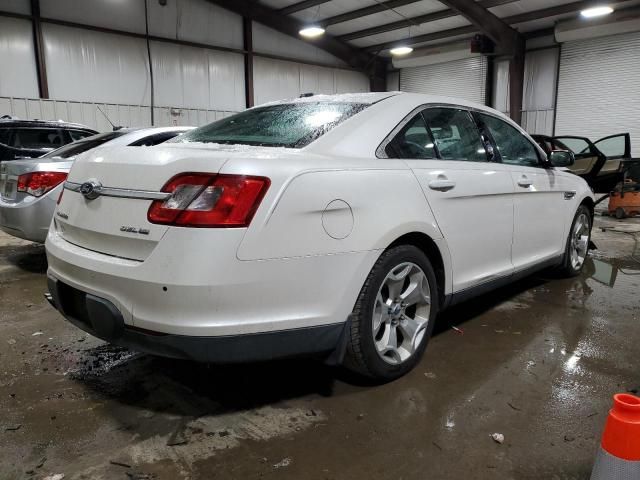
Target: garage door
464,78
599,88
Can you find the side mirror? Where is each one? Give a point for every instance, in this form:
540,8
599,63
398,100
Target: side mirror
562,158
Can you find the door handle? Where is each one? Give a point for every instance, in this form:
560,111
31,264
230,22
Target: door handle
442,184
525,182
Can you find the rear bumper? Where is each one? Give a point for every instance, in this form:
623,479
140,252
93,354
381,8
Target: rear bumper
102,319
30,218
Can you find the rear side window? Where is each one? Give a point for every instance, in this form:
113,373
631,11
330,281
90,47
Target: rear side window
76,148
455,134
4,135
292,125
155,139
413,141
79,135
514,147
37,138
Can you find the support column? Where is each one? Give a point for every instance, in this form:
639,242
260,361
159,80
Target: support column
247,31
43,86
516,80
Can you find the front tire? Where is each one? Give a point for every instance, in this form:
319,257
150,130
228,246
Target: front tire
394,315
577,245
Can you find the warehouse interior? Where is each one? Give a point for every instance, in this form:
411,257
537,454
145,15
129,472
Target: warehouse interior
515,384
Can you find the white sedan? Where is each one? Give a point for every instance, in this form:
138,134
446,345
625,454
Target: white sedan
336,225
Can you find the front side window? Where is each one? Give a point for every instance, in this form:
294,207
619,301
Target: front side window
579,146
514,147
455,134
413,141
293,125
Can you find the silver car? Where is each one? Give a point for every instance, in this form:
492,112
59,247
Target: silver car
29,189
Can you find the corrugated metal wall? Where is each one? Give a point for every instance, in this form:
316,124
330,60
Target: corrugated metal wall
278,79
599,88
464,79
191,85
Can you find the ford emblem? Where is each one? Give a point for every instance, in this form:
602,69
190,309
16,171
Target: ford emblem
90,190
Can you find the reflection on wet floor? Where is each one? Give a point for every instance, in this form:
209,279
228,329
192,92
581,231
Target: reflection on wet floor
536,362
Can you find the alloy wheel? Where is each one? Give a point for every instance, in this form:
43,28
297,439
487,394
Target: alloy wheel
580,241
401,313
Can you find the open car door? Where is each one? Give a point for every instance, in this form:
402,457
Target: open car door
599,163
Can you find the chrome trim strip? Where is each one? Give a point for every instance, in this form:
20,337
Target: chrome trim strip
121,192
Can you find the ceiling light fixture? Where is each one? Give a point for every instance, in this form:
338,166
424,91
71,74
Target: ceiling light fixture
596,11
311,31
401,50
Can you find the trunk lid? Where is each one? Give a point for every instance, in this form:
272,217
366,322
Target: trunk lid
118,226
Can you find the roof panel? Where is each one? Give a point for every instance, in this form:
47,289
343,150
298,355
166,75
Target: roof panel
330,9
413,9
439,25
277,4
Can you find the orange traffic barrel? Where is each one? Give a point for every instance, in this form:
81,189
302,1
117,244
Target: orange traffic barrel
619,454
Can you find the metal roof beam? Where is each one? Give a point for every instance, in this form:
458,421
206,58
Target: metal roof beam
296,7
290,26
430,17
491,25
471,29
363,12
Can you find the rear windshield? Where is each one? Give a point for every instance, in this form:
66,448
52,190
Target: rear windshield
37,138
283,125
76,148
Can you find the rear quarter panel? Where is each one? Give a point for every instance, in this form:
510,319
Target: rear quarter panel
342,206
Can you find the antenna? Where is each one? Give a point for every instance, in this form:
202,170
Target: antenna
105,116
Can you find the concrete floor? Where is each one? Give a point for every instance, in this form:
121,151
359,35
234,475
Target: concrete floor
537,362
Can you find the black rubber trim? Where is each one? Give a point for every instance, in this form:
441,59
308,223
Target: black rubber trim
471,292
103,320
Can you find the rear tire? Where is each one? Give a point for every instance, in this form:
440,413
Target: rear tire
577,246
394,315
620,213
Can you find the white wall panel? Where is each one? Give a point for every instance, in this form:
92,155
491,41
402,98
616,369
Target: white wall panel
598,89
275,80
267,40
18,76
315,79
16,6
197,78
278,80
349,82
84,65
501,86
540,74
125,15
196,21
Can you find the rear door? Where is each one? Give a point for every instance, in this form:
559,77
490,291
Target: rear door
470,197
540,208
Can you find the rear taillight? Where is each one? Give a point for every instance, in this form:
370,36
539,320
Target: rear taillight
39,183
206,200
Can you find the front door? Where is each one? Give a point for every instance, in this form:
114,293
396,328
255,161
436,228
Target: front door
470,197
